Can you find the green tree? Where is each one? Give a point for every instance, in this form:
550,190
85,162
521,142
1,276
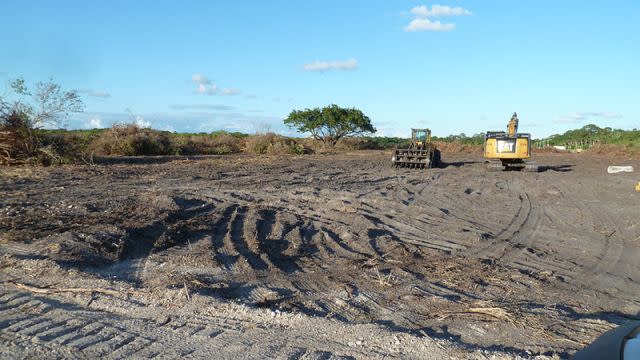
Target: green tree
330,123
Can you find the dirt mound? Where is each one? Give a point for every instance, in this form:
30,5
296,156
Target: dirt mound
614,150
547,150
456,147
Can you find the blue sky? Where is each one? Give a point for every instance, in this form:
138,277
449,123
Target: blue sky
461,66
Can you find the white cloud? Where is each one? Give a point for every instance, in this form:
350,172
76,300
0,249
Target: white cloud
141,122
201,107
191,121
321,66
200,79
438,10
100,94
207,89
230,91
422,13
94,93
204,85
428,25
588,116
94,123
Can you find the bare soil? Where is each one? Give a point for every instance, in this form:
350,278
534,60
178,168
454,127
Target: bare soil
326,256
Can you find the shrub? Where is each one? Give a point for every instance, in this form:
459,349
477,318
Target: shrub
57,147
17,138
131,140
219,143
371,143
271,143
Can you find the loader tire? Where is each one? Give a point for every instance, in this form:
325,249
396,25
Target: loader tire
436,159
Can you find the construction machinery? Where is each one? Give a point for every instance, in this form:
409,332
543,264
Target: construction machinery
421,153
508,150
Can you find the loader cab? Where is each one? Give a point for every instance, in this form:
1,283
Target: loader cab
420,136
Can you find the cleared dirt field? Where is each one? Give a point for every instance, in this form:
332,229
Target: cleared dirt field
317,257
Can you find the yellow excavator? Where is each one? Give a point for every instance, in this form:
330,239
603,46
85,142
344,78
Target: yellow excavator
510,150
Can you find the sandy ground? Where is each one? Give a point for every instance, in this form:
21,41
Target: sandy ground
328,256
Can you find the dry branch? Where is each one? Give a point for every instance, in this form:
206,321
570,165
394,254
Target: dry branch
39,290
494,312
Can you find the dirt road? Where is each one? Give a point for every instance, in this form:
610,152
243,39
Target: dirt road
317,257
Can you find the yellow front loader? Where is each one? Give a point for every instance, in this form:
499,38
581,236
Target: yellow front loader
508,150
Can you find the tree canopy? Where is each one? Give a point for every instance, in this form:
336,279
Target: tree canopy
23,112
330,124
48,105
593,132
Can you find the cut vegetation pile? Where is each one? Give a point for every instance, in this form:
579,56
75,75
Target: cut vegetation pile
615,149
458,147
215,144
271,143
131,140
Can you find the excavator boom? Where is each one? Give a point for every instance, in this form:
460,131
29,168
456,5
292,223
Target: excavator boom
512,128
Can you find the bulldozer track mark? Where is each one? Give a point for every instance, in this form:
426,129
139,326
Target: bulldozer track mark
306,354
221,249
240,243
8,325
275,248
104,336
91,330
15,302
79,331
60,331
382,234
44,327
331,238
